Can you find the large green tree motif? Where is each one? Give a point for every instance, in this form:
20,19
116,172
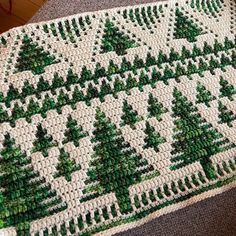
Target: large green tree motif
24,196
33,57
115,166
115,40
185,27
194,138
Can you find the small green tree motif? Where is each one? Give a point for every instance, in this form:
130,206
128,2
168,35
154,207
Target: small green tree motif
143,80
130,117
207,49
66,166
162,58
48,103
196,51
73,132
131,82
179,71
194,138
115,40
17,112
77,95
113,68
62,100
155,109
174,56
226,89
33,108
118,85
186,28
99,71
12,94
33,58
57,82
167,74
3,114
104,90
125,65
153,138
28,89
42,85
92,92
138,63
115,166
225,115
203,95
24,196
43,141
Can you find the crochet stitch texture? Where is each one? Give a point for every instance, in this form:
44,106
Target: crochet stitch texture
111,118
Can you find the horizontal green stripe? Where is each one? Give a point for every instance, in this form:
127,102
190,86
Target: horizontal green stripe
144,80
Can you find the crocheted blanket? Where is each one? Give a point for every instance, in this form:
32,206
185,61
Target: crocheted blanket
109,119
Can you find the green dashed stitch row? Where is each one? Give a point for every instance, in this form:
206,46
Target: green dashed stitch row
68,29
144,17
212,7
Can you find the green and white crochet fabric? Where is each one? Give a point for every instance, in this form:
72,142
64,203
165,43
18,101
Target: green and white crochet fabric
112,118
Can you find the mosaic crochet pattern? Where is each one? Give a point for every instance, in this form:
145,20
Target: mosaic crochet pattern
111,118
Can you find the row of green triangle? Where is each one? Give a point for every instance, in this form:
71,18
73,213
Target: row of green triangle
34,58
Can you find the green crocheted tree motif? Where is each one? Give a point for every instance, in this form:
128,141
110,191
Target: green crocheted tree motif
74,132
185,28
66,166
33,57
25,196
43,141
226,89
115,40
155,109
153,138
203,95
130,117
225,115
195,139
115,166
